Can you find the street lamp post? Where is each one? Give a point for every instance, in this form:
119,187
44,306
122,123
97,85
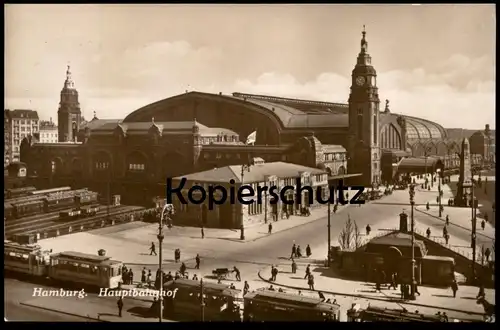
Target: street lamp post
202,302
413,262
473,232
439,191
243,168
160,257
329,234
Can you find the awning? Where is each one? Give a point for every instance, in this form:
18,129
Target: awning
395,152
344,176
417,164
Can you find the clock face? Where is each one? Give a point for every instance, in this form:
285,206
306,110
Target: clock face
360,81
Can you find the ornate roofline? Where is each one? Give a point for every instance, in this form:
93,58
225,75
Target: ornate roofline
291,100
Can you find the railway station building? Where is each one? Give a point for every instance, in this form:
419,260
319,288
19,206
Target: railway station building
361,140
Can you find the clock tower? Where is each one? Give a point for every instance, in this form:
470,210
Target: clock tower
69,115
364,133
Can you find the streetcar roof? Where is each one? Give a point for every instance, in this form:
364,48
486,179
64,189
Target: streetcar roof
83,256
291,299
206,285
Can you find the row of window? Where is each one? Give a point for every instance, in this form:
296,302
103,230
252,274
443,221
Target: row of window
136,167
334,156
24,121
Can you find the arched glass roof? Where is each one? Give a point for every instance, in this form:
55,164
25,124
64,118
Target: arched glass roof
421,129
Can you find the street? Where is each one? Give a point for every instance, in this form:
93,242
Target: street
252,256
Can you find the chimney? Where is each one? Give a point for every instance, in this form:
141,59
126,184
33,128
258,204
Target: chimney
403,222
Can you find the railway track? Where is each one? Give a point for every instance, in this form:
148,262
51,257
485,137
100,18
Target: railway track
47,225
80,222
42,219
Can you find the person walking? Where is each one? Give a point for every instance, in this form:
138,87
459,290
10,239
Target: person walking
270,228
143,275
274,272
120,306
308,251
448,218
246,287
428,232
308,271
454,288
198,260
152,249
149,277
483,224
445,231
310,282
294,251
237,273
447,238
368,230
294,266
202,233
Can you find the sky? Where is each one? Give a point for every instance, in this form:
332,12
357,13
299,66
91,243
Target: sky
433,61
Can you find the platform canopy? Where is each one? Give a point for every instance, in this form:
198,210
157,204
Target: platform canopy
419,165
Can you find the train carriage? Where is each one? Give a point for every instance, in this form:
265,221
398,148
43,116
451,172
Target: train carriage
70,215
25,209
220,301
88,269
8,211
89,210
57,202
19,192
85,198
26,259
50,191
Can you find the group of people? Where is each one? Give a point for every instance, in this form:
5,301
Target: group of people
297,252
127,275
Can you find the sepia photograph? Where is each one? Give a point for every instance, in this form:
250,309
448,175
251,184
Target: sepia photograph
249,163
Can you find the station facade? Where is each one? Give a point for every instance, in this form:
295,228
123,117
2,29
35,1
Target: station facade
198,131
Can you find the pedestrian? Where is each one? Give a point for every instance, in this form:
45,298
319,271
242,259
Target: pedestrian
143,275
299,252
294,267
270,228
274,273
131,276
310,281
237,273
308,271
416,290
246,287
175,255
202,233
448,219
445,230
394,283
335,207
428,232
445,317
486,217
481,293
124,276
454,288
197,259
368,230
308,251
149,277
120,306
195,277
427,206
321,296
447,238
294,251
183,268
483,224
487,254
152,249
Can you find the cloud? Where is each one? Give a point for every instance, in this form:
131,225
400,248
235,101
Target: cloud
459,93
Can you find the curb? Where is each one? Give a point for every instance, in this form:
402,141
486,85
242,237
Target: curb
451,223
366,297
290,228
61,312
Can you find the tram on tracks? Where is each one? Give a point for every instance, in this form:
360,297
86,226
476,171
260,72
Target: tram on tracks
377,314
27,259
221,302
265,305
65,267
92,270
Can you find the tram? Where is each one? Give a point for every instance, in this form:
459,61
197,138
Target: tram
92,270
25,259
265,305
220,301
377,314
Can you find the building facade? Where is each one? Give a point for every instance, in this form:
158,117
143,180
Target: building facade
48,132
18,124
196,131
234,215
69,115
